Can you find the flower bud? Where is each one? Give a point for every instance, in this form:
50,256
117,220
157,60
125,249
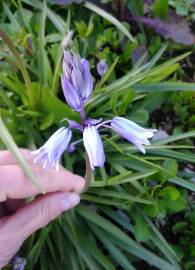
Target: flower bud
102,67
77,83
66,42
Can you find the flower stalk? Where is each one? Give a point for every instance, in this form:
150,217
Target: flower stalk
88,173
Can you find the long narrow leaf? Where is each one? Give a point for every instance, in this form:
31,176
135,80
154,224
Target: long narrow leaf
136,249
110,18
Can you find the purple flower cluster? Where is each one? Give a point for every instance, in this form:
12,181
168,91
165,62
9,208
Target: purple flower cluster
77,85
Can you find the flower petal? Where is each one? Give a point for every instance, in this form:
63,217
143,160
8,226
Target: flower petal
63,147
77,62
94,147
67,60
87,81
72,97
53,149
77,80
132,132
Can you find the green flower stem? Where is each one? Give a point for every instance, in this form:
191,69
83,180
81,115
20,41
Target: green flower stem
21,66
88,173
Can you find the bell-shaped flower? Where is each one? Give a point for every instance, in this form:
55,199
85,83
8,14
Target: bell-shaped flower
132,132
77,83
51,152
94,146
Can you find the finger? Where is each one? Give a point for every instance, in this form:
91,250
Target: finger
14,184
7,158
15,229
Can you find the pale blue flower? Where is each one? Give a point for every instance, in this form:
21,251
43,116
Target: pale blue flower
94,146
132,132
51,152
77,83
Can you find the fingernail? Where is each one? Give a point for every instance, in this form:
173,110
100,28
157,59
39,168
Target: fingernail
80,184
69,201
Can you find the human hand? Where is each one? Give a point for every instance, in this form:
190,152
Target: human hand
62,194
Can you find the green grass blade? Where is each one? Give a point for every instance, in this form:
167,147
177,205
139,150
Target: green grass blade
164,87
92,248
136,249
133,177
54,17
110,18
158,234
157,56
115,252
12,19
183,183
174,138
41,42
189,157
82,253
119,195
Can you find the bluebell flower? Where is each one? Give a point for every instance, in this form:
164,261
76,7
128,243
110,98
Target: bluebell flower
51,152
132,132
102,67
77,83
94,146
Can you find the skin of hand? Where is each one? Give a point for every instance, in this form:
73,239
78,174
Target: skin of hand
62,193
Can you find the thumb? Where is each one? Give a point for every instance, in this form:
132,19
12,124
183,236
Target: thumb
15,229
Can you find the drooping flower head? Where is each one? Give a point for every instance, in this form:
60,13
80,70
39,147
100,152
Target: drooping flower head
132,132
77,83
51,152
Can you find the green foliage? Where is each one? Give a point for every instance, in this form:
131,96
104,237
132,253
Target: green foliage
160,8
184,7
